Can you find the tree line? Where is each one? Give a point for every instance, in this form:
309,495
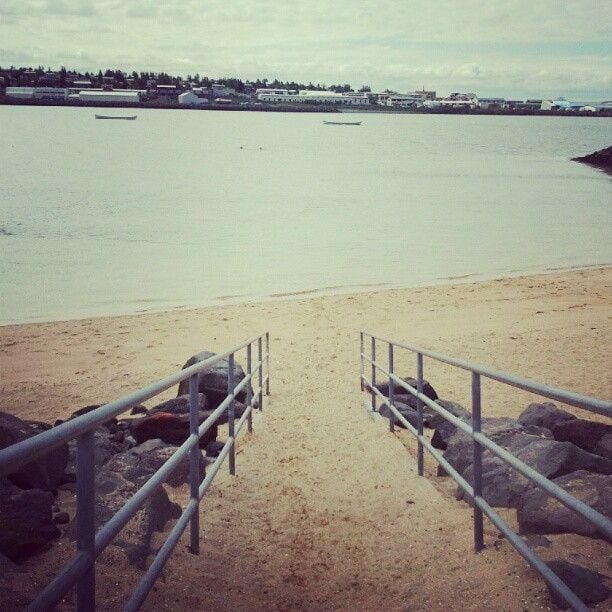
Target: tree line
140,80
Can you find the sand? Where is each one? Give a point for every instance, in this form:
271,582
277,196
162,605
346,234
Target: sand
326,510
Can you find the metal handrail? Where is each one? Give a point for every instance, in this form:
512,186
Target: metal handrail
480,441
80,570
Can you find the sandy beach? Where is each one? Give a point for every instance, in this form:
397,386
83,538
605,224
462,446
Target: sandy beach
326,510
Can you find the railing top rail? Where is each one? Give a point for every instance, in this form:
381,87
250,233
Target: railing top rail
561,395
23,452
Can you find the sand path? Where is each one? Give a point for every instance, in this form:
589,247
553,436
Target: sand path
327,511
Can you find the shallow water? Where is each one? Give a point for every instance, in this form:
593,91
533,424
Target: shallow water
179,209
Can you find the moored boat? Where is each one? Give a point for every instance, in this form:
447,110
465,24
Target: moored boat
341,122
124,117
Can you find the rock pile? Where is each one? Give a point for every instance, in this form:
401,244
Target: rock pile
126,454
575,454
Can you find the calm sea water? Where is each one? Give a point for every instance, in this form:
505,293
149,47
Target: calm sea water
179,209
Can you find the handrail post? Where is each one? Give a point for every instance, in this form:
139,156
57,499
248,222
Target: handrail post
391,390
249,391
231,415
420,458
362,370
477,450
85,520
373,382
260,358
194,463
268,363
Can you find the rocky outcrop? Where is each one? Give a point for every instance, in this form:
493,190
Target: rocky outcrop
587,585
534,446
26,522
538,512
117,481
545,415
213,381
599,159
46,471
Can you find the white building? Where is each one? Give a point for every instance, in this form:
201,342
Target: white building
488,102
307,96
20,93
191,99
408,100
220,90
125,97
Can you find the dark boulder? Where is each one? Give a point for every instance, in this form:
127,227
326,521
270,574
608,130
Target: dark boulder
434,420
213,380
46,471
545,415
604,446
26,521
538,512
459,447
179,405
502,486
599,159
154,453
409,413
587,585
531,444
405,396
582,433
116,483
171,428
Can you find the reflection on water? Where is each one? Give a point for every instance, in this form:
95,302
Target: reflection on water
188,208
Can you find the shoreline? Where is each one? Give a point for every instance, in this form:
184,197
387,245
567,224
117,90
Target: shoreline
279,108
316,293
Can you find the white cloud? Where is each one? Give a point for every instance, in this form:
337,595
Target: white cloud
443,45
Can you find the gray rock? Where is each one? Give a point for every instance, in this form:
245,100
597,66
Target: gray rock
213,381
583,433
117,481
409,413
405,396
538,512
589,586
604,446
435,420
105,446
544,414
26,526
44,472
154,453
532,445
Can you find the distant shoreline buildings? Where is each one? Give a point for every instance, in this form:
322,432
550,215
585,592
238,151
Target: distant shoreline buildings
115,87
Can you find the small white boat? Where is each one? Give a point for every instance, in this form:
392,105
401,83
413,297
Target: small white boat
124,117
342,122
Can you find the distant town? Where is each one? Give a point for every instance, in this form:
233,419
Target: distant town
161,90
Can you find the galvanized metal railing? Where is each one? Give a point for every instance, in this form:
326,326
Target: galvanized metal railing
480,441
81,569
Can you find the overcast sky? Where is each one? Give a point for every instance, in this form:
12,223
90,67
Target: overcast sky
514,48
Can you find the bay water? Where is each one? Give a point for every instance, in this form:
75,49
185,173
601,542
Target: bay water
186,208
